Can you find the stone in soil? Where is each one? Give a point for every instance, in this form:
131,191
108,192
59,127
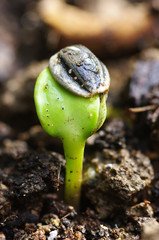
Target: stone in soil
116,175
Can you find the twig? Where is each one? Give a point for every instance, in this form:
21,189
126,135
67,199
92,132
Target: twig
142,109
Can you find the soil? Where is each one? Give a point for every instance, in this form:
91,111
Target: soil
120,191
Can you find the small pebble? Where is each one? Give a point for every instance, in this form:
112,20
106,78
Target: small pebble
53,234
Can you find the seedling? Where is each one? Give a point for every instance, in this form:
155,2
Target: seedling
70,99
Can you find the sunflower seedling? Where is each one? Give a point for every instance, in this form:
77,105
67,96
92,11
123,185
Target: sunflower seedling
70,99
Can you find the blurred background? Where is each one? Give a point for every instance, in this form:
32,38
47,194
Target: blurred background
119,32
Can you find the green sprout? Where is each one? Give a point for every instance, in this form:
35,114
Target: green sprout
72,106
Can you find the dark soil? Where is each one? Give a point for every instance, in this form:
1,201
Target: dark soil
117,198
120,192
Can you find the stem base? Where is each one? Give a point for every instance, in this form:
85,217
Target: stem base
74,165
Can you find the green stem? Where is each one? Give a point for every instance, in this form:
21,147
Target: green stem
74,152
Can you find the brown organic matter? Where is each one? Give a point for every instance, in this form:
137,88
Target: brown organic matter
102,25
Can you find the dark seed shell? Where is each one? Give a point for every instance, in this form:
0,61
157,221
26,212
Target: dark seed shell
77,69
